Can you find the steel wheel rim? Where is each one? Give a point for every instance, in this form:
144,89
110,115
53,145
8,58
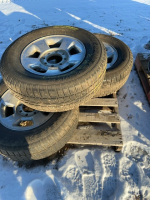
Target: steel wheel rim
53,55
16,116
112,55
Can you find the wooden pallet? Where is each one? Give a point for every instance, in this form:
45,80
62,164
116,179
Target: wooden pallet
99,124
142,64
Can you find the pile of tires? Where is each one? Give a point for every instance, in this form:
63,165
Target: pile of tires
48,73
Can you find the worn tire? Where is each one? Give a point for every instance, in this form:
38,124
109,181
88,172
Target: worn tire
61,92
118,74
39,142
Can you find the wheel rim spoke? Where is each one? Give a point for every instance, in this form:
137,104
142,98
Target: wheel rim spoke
76,58
66,43
9,100
64,66
31,61
39,68
110,53
42,45
54,42
40,116
14,119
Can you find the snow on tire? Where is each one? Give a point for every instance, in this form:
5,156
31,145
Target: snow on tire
54,69
119,65
27,134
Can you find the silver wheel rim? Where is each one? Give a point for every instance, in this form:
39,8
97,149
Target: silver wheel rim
53,55
16,116
112,55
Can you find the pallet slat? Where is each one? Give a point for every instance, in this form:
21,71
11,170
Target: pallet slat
102,102
99,117
97,126
96,137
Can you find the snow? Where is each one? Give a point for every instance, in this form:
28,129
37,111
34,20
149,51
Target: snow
87,173
147,2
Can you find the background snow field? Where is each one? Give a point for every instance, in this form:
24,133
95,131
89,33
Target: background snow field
87,173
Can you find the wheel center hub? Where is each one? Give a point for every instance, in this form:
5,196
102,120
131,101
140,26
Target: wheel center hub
25,111
55,57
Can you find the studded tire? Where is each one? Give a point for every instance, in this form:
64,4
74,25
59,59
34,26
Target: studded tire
41,141
117,75
61,92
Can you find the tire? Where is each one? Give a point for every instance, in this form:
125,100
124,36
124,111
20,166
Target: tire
0,73
117,75
59,92
39,142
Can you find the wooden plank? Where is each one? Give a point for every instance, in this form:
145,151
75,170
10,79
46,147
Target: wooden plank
117,127
111,102
95,137
118,148
99,117
97,109
116,110
97,126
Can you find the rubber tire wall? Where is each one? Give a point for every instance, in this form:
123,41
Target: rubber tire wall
55,93
39,142
118,74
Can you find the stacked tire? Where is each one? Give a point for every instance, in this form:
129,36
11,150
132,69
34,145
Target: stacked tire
48,73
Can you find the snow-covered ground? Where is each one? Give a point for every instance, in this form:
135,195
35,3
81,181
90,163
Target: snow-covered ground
87,173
